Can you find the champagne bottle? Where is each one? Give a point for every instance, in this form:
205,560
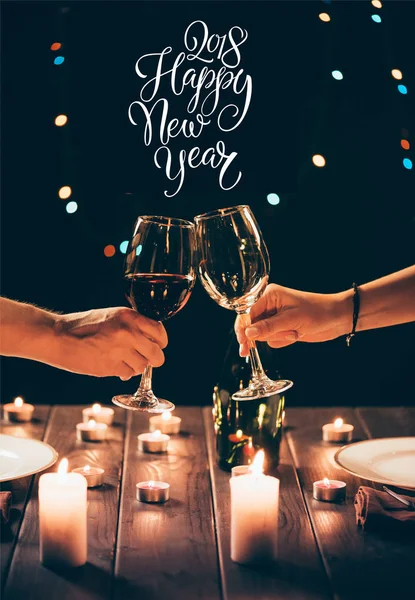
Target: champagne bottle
244,427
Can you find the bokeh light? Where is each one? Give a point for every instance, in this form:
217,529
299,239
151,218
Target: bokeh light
124,246
376,18
405,144
138,250
319,160
65,192
71,207
324,17
109,250
55,46
61,120
59,60
337,75
273,199
402,89
377,3
396,73
407,163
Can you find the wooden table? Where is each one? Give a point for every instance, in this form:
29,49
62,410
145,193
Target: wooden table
180,550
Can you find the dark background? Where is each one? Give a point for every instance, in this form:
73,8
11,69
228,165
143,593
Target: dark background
353,220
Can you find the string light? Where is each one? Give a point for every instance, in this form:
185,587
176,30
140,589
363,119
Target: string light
324,17
407,163
396,73
64,192
71,207
61,120
59,60
319,160
377,3
124,246
109,250
273,199
337,75
405,144
376,18
402,89
55,46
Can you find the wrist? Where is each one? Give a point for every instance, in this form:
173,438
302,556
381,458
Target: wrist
342,312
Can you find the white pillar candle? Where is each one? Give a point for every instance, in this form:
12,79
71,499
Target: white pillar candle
18,411
100,414
62,518
153,442
337,432
91,431
254,515
166,423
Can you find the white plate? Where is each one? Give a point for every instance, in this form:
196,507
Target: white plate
386,460
20,457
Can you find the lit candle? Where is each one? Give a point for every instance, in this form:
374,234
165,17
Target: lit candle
156,492
91,431
62,518
240,470
100,414
329,490
18,411
337,432
237,437
94,475
166,423
254,515
153,442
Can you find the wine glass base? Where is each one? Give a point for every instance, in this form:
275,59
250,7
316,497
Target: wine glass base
262,389
132,402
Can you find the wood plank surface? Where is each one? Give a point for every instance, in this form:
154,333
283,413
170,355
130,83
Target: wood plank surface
299,573
361,564
168,551
28,578
19,488
390,421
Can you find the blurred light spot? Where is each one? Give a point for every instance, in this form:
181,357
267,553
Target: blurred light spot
377,3
319,160
324,17
124,246
396,73
138,250
71,207
59,60
407,163
273,199
337,75
405,144
55,46
109,250
403,89
65,192
61,120
376,18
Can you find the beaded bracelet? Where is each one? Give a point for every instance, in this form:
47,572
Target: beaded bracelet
356,306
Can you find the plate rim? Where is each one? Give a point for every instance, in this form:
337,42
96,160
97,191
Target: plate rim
374,479
55,456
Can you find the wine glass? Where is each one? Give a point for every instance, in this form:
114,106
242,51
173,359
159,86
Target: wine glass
234,269
159,275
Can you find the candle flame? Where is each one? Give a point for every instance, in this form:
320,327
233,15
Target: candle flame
63,467
18,402
239,434
338,423
151,484
96,408
156,434
166,416
87,468
283,416
250,443
257,466
326,482
92,424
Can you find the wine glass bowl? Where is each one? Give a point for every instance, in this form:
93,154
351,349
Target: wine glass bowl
159,277
234,269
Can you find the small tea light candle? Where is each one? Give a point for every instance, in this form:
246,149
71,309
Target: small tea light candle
166,423
329,490
18,411
337,432
91,431
62,518
237,437
100,414
153,491
153,442
240,470
94,475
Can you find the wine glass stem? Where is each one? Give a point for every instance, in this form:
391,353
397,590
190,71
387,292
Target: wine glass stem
146,377
256,365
